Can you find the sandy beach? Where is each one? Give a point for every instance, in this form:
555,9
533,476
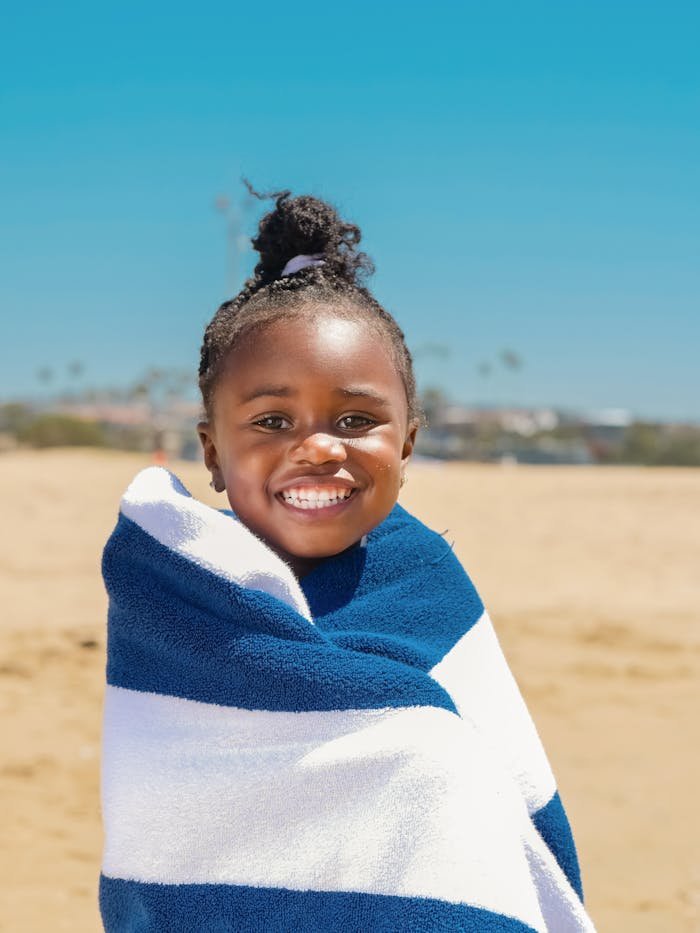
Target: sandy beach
591,578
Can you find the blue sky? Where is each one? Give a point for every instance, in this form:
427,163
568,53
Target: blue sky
526,176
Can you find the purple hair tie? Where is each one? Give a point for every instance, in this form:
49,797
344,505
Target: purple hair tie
297,263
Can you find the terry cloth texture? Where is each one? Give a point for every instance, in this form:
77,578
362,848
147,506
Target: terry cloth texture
349,753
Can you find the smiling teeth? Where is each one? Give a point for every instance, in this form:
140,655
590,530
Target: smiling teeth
305,498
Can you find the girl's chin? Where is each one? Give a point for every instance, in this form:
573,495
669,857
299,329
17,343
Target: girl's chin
311,556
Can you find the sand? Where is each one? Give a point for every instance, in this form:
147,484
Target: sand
591,577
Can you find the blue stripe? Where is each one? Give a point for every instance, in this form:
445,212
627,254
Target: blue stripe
553,825
177,628
135,907
403,596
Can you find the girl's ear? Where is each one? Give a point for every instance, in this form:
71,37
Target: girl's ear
211,457
409,443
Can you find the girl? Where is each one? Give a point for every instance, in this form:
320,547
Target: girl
309,724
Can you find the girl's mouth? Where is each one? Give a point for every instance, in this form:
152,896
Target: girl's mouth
315,498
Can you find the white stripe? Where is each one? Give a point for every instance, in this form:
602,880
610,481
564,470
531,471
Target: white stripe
394,801
477,677
561,908
158,502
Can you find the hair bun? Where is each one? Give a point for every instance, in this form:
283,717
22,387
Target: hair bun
305,225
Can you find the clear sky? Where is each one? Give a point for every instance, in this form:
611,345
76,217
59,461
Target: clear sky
526,175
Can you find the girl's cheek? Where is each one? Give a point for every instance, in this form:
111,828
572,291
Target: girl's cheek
371,443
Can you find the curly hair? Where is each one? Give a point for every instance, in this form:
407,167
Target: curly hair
302,225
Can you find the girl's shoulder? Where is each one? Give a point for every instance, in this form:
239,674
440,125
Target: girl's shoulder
402,555
411,543
402,592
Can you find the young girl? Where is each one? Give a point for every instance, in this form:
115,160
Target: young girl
309,724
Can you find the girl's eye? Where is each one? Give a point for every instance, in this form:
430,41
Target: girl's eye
272,422
355,422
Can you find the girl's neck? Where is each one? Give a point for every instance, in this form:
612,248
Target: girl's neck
302,566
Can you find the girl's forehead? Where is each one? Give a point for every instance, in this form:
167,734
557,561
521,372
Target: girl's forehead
329,349
320,342
325,329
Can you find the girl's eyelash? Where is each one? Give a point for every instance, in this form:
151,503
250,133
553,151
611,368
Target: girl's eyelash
366,422
265,422
278,422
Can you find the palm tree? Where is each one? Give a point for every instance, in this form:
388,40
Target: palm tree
45,375
510,359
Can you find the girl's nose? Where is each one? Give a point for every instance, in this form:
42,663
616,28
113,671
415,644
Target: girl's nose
319,448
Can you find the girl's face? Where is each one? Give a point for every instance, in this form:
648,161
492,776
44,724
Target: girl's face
310,435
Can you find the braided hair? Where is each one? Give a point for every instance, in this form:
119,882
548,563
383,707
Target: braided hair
303,226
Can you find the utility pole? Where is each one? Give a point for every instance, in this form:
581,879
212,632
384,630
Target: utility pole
236,241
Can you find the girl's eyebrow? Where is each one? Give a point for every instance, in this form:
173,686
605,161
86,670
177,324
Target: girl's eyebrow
287,392
361,392
260,391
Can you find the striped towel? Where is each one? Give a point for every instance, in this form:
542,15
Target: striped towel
347,753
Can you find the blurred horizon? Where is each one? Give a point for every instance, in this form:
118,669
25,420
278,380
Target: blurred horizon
525,177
